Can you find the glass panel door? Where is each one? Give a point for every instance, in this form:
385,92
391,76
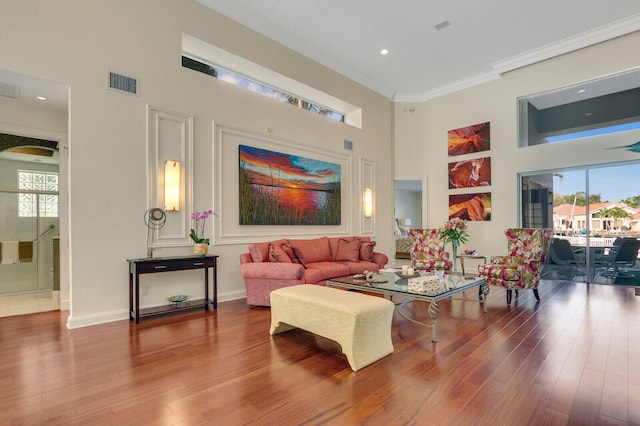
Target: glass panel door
590,207
19,258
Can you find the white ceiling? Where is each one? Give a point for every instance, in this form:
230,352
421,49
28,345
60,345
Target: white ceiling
483,39
29,88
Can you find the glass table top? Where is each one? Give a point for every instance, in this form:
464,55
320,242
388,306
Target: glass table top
390,282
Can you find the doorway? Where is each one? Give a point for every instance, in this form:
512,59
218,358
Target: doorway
33,213
408,213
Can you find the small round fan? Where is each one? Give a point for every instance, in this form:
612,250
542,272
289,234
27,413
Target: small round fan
154,218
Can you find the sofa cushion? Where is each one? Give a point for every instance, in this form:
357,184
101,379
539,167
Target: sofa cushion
277,254
366,250
320,271
348,249
360,267
313,250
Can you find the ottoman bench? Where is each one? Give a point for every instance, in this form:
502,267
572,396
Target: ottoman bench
361,324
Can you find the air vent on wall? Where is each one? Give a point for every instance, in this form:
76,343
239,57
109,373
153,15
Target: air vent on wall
9,91
348,145
122,83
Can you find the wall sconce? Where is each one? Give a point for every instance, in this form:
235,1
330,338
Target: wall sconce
368,202
172,186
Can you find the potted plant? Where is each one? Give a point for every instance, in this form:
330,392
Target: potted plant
201,244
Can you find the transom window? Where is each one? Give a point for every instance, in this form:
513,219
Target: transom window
263,89
29,202
221,64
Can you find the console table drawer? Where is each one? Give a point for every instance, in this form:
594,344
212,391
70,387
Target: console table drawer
197,263
149,268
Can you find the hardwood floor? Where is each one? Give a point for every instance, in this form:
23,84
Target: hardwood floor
573,358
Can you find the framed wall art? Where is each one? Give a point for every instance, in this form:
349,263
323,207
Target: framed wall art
277,188
470,173
470,139
476,206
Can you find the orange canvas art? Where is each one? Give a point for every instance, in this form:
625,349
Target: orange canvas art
470,139
470,206
470,173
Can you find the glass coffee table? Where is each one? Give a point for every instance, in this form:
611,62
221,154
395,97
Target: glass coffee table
399,287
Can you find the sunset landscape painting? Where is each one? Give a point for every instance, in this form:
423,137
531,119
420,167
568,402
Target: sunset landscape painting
470,139
475,206
283,189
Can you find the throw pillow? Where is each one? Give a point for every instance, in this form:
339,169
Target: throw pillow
298,253
294,254
366,250
288,249
277,254
348,250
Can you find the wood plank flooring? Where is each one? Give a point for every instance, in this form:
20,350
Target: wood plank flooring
572,359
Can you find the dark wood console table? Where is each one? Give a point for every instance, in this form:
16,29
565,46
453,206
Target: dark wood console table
167,264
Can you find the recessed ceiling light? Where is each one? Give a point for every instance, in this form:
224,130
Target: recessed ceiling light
41,98
384,52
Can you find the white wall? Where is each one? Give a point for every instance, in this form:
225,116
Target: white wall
76,42
424,132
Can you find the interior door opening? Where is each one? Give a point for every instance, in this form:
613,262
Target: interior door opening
408,214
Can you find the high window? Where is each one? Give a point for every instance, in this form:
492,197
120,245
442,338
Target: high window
602,106
31,200
223,65
256,87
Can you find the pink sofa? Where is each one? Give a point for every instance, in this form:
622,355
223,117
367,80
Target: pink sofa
281,263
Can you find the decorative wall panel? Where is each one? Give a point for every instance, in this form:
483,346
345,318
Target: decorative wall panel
170,137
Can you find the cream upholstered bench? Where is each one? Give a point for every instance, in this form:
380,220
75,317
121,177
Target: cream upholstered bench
361,324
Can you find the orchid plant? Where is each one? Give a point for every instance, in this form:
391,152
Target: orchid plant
455,232
197,232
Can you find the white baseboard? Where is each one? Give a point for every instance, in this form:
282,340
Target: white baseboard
119,315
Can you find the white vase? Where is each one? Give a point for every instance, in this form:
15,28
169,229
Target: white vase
200,249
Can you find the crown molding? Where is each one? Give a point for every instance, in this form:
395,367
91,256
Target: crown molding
617,29
446,89
608,32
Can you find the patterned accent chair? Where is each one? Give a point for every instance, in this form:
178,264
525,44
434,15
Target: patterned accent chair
427,250
521,268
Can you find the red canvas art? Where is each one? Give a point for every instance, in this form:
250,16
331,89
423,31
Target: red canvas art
470,173
470,139
470,206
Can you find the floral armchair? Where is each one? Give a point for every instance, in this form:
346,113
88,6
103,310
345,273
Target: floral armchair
521,268
427,250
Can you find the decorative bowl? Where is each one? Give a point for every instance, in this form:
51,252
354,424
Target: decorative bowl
179,298
468,251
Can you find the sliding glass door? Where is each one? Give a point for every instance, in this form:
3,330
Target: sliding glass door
591,207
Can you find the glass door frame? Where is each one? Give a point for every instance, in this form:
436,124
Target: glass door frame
590,272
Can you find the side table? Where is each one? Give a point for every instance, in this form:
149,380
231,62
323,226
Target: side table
474,256
462,258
